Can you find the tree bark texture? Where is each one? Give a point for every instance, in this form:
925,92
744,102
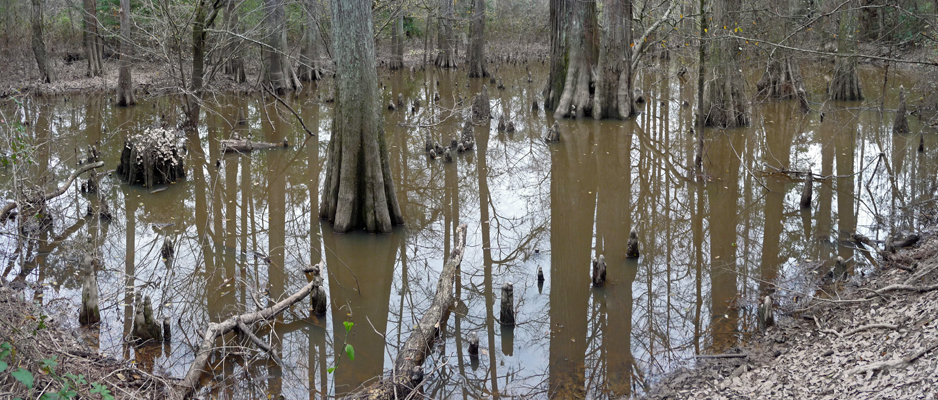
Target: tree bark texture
91,39
576,101
39,46
613,96
476,54
359,189
235,64
310,68
845,84
725,104
446,58
397,41
125,89
558,53
205,14
280,74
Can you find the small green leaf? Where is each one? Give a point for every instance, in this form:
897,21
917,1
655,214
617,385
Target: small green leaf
3,366
25,377
330,370
348,325
350,351
102,390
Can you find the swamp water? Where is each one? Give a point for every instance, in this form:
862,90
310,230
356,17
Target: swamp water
244,226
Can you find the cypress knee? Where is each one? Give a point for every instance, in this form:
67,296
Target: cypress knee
507,316
808,191
901,124
632,250
599,271
473,345
89,313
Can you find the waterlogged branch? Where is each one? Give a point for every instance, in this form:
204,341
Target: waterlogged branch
5,211
190,383
408,368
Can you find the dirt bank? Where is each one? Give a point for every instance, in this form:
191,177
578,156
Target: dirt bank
43,356
875,339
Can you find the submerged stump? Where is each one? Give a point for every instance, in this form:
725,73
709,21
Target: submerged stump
319,301
473,345
766,314
481,112
151,158
89,313
553,134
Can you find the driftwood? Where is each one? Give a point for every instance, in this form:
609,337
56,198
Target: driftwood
190,383
5,211
246,145
408,368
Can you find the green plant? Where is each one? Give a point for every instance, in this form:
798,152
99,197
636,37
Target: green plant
70,382
349,350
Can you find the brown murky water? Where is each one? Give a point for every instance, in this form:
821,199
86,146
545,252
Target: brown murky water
711,244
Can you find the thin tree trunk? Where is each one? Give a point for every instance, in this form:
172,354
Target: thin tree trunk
613,97
235,64
359,189
845,84
204,18
476,54
446,58
91,39
576,100
558,61
39,46
125,90
725,103
397,42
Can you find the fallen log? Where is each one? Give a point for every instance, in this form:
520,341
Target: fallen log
246,145
189,384
5,211
407,374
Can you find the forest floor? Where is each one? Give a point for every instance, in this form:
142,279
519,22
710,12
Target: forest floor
43,356
19,74
876,337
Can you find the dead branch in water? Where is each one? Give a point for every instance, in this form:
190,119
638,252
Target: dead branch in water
408,368
5,211
295,114
190,383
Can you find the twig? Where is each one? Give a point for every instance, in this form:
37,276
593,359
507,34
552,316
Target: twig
724,355
260,343
298,117
58,191
882,365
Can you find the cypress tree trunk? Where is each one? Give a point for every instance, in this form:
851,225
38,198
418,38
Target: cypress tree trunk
845,84
273,57
782,76
397,42
446,58
125,90
613,97
205,14
476,54
558,61
310,68
235,64
39,46
91,39
576,100
724,103
358,190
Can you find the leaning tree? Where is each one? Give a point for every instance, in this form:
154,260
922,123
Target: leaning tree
359,190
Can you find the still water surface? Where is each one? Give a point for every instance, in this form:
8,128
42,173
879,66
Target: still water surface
711,243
